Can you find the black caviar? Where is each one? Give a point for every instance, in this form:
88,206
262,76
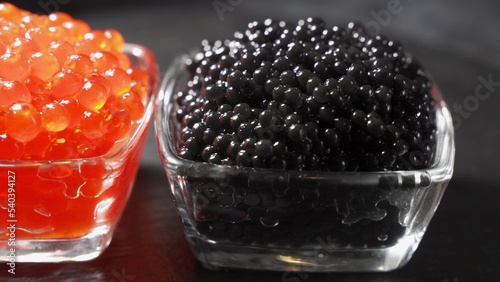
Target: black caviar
304,97
290,214
307,97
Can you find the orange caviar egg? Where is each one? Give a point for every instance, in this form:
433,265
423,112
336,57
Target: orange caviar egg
93,125
92,96
101,80
9,11
77,28
9,31
84,47
12,92
115,38
44,65
35,85
123,60
140,81
75,111
132,102
119,79
104,60
58,33
79,63
24,122
55,117
13,67
98,39
66,84
119,125
61,50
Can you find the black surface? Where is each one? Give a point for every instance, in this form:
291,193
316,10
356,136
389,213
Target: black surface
456,40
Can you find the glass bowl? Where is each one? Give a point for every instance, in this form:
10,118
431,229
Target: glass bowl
241,217
67,210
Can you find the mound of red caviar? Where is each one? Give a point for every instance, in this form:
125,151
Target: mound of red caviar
66,91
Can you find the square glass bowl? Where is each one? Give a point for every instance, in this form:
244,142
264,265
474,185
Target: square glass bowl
67,210
265,219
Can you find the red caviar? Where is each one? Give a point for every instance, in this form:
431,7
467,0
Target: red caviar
66,92
45,61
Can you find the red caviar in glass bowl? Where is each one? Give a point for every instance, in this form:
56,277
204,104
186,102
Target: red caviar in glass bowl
75,105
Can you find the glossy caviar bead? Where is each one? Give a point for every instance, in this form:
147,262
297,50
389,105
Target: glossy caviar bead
55,117
236,120
13,67
236,79
264,148
92,96
321,94
61,50
215,159
120,124
267,118
243,109
100,61
24,122
400,147
66,84
213,92
297,133
243,158
93,125
119,79
375,126
43,65
244,131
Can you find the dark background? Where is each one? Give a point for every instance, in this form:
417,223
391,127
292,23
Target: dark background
458,42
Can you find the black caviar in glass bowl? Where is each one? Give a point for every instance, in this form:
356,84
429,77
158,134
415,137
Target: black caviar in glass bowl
302,147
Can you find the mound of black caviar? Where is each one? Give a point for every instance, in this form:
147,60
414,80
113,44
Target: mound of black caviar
307,97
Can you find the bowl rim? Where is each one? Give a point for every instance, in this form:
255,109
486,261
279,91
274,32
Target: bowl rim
440,171
139,56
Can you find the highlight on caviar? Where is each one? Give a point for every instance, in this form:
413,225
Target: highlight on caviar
75,104
299,146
